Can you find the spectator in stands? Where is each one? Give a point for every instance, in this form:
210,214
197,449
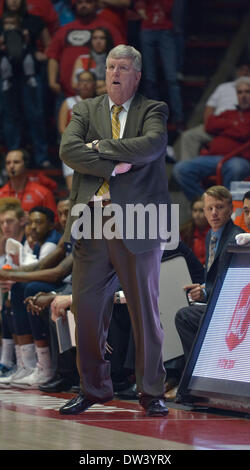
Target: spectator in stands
64,11
231,129
193,232
157,38
222,99
15,51
44,9
19,185
115,12
86,88
246,209
72,40
133,26
23,97
95,61
34,359
179,17
218,210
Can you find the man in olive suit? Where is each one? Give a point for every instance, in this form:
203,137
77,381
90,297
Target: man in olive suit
116,144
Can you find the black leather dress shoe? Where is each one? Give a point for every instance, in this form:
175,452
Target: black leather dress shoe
157,408
154,406
56,384
78,404
129,394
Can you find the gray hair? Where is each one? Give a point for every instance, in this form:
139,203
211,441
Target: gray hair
241,80
126,52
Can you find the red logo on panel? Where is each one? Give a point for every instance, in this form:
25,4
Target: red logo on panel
240,320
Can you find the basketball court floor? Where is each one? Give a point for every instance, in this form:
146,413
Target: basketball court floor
29,420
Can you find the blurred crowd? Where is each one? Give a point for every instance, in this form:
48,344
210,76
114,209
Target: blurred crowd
45,45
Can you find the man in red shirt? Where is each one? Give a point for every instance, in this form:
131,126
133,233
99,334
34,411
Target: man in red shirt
158,43
19,186
72,40
116,12
230,129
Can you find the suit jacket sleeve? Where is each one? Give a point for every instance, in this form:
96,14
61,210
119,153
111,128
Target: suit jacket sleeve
76,154
145,147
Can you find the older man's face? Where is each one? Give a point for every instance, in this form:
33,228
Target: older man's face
243,93
121,80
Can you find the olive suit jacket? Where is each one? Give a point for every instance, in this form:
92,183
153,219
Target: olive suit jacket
143,145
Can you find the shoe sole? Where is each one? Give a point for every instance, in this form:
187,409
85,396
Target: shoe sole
53,390
34,386
24,386
157,415
66,412
6,385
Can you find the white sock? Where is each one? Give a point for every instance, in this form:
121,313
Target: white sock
44,358
28,355
19,361
8,352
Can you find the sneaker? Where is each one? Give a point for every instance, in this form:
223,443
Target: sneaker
37,377
4,369
20,374
6,378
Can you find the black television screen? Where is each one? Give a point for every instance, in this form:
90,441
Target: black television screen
218,371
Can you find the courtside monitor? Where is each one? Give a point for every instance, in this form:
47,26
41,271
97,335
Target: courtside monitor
217,374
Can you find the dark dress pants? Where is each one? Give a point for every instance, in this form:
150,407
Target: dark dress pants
119,339
97,266
187,323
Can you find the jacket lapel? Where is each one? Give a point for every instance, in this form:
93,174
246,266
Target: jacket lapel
103,121
132,122
224,236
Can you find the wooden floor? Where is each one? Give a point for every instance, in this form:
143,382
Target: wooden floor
29,420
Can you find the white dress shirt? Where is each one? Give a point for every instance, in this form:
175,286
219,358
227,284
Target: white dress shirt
122,118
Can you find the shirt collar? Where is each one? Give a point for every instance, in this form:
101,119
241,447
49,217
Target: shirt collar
125,105
218,233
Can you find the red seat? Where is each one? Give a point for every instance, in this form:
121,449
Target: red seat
216,179
227,157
